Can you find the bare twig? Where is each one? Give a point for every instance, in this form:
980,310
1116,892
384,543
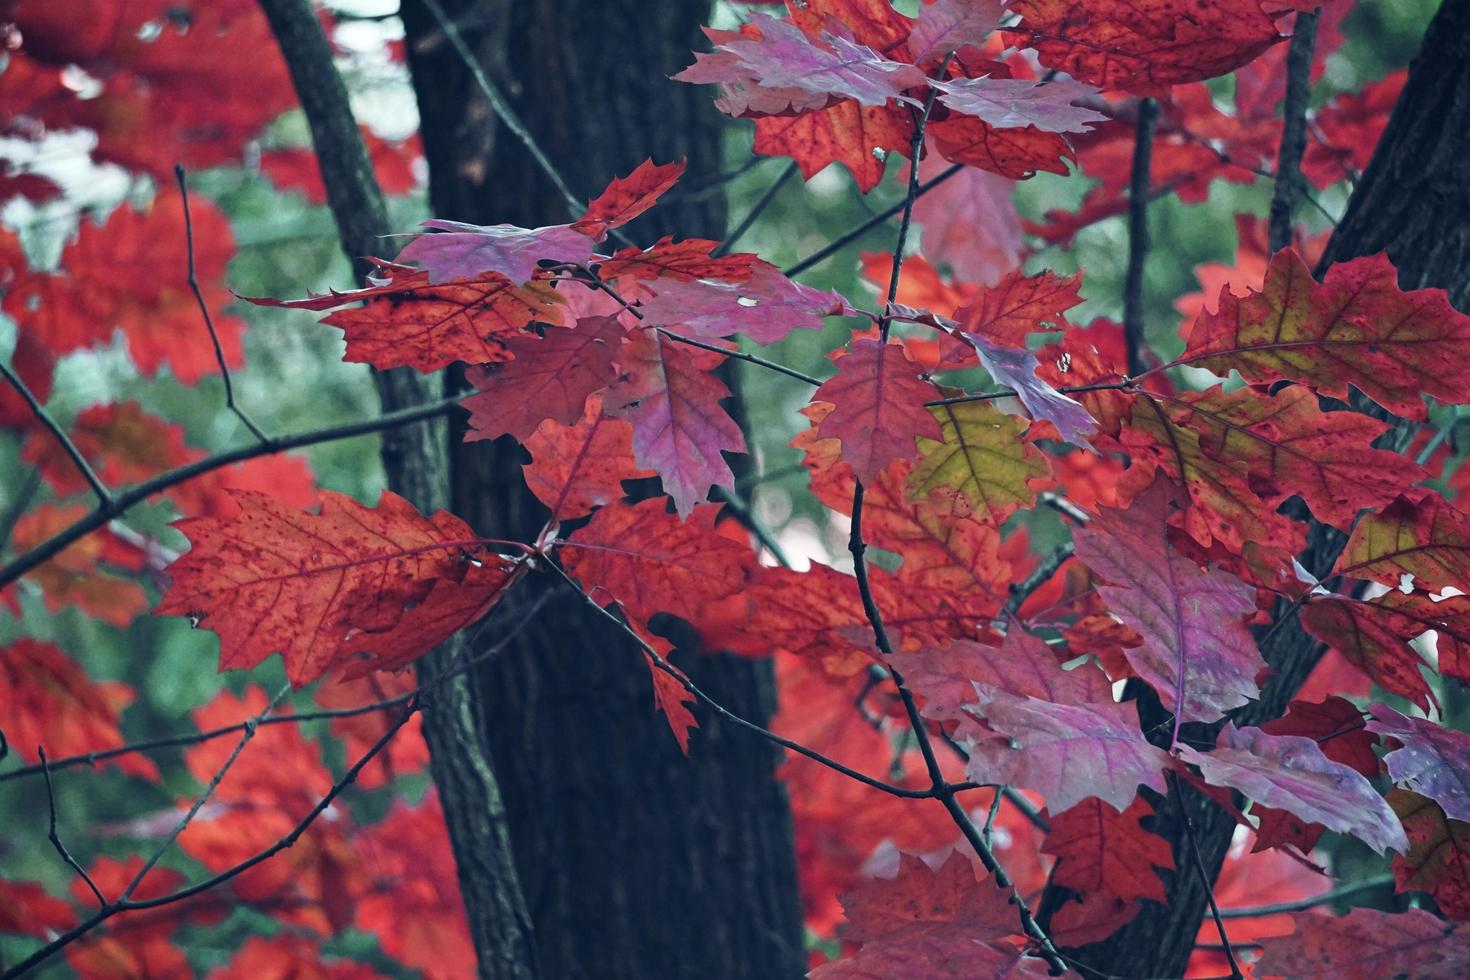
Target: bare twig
1339,894
202,798
1204,874
1021,591
756,210
387,704
1138,187
129,905
115,506
1294,130
842,241
719,709
55,838
575,206
219,353
44,417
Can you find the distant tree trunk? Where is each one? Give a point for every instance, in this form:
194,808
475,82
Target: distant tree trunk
634,861
1414,202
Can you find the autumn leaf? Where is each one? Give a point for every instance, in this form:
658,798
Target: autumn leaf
980,460
948,25
764,305
945,677
1144,47
27,909
1196,649
1068,752
546,378
457,250
671,396
773,68
1432,760
651,561
576,468
1368,944
1009,311
687,259
1428,539
323,589
878,407
1354,328
50,702
407,321
1289,772
89,574
1015,103
847,133
1102,852
627,197
1374,636
1016,368
1438,859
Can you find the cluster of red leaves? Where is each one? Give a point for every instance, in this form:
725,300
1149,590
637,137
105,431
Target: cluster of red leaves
603,366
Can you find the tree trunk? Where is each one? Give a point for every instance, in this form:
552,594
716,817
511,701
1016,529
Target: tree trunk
416,463
1414,202
634,860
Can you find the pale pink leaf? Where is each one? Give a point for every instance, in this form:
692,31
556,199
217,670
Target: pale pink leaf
457,250
1016,368
948,25
1014,103
785,71
1291,773
1194,640
969,222
1432,760
1069,752
766,307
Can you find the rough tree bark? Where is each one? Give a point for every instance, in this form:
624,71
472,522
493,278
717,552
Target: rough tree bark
634,861
415,460
1414,202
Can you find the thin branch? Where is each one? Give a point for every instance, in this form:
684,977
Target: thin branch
115,506
219,353
1339,894
1204,875
44,417
842,241
24,494
1289,178
1021,591
1123,385
742,356
1138,186
202,798
730,716
187,892
195,738
55,837
575,206
756,211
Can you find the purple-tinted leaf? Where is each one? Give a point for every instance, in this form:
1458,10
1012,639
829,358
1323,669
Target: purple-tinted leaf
1016,368
548,378
785,66
766,307
672,397
1013,103
945,677
1290,772
1433,761
458,250
1194,641
948,25
1368,943
1071,751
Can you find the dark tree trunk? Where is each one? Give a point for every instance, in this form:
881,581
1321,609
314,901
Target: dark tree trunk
634,861
1414,202
417,466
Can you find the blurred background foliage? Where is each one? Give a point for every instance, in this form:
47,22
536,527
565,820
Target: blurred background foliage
295,379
